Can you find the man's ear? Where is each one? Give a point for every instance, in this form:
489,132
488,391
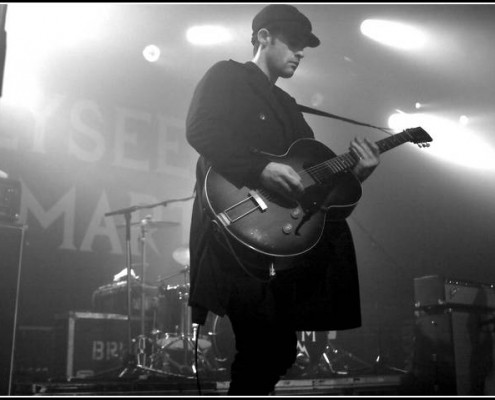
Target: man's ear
264,36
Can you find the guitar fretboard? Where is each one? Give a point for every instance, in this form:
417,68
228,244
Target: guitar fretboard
323,171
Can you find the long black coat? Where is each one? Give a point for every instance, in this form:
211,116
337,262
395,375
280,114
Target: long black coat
234,110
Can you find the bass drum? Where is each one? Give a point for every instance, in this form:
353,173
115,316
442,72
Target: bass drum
219,330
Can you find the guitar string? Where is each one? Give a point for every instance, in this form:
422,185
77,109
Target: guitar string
347,160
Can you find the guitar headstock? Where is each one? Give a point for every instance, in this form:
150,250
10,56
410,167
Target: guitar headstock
418,136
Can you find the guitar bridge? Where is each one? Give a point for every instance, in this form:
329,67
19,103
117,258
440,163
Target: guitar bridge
261,204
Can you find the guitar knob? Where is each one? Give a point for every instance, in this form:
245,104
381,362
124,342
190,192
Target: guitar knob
287,228
295,213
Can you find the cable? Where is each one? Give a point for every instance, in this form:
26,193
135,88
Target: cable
196,339
376,244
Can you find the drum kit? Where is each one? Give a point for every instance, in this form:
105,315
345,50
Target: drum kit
170,347
176,347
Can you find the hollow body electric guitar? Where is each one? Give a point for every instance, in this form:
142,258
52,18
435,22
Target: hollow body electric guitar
277,227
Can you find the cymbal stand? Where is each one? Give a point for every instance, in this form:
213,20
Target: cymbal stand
141,355
186,325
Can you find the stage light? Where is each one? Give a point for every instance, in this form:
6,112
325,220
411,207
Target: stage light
395,34
418,106
48,25
151,53
463,120
38,32
206,35
452,141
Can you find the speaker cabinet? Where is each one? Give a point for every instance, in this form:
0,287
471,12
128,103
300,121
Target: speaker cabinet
11,240
453,353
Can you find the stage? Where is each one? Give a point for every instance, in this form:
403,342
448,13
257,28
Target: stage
355,385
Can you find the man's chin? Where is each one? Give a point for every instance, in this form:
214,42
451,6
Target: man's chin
288,74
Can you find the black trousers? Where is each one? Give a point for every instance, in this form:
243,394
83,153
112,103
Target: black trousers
266,342
264,354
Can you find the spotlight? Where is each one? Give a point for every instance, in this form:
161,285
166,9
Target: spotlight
453,142
208,35
151,53
392,33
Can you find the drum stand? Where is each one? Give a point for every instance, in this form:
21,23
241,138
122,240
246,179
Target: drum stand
143,360
338,361
185,334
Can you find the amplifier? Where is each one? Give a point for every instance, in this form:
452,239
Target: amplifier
434,290
33,353
10,199
88,344
453,352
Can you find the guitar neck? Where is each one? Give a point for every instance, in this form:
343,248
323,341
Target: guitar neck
347,161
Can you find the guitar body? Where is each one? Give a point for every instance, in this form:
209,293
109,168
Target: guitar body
274,226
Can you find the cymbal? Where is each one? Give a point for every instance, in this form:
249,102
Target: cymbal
181,255
153,224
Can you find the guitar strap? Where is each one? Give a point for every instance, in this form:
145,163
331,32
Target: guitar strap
314,111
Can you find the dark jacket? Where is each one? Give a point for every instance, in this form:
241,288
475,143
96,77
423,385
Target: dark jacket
235,110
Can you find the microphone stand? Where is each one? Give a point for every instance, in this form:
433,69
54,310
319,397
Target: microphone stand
130,361
126,212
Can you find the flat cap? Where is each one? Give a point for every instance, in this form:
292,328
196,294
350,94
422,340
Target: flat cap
289,19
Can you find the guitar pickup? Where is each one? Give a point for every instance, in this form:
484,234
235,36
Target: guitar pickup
260,204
